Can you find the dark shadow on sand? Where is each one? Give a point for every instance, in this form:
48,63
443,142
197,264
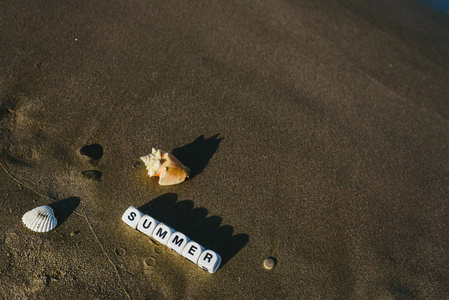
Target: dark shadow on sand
65,208
15,161
196,155
195,223
93,151
401,291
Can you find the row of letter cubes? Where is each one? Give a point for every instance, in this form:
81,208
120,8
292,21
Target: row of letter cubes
175,240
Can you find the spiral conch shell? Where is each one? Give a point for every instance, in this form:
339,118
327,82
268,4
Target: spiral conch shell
166,166
40,219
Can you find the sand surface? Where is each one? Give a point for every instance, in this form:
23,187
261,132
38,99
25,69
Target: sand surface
317,134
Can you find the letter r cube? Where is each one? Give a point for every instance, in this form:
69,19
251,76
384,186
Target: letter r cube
209,261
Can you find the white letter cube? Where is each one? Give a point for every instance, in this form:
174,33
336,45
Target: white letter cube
146,225
132,216
177,242
192,251
209,261
162,233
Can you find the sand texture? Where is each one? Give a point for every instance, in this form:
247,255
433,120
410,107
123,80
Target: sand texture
317,134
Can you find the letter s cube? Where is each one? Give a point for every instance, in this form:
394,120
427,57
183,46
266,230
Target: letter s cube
132,216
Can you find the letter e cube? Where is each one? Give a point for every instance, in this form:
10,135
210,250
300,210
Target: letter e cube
192,251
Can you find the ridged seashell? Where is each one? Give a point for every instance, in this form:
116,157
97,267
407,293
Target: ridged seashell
40,219
165,165
92,174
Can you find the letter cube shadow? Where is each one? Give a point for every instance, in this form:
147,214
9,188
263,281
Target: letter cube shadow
147,225
132,216
192,251
177,242
209,261
162,233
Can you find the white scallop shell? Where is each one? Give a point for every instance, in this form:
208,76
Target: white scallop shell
40,219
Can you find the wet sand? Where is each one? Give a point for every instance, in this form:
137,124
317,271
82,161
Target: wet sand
317,134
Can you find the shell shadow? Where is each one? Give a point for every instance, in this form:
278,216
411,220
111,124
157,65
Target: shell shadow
399,290
93,151
195,223
64,208
196,155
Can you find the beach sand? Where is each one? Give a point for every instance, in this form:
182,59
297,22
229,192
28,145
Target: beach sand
317,134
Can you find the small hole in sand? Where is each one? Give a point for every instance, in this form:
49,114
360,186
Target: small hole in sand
120,251
159,249
150,261
47,279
